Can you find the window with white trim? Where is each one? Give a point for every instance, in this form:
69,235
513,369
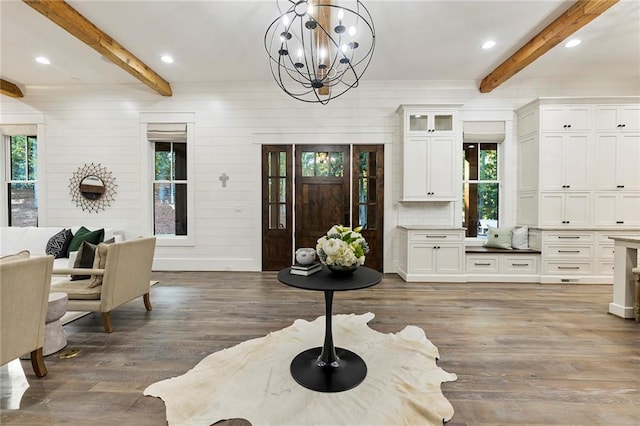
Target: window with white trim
170,183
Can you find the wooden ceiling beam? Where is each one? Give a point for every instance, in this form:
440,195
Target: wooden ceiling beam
80,27
577,16
10,89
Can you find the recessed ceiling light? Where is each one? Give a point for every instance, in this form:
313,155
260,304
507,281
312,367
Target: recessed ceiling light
43,60
573,42
488,44
166,59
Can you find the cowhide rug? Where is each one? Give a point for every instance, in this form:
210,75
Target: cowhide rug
252,380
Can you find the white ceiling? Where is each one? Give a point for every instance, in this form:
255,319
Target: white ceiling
222,41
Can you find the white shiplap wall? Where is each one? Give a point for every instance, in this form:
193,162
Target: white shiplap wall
86,124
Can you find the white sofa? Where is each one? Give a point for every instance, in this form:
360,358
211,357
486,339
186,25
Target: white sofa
33,238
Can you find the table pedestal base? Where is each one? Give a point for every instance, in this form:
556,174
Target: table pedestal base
349,373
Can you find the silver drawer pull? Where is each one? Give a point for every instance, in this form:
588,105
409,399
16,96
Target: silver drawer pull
568,237
519,264
435,236
481,264
568,267
568,251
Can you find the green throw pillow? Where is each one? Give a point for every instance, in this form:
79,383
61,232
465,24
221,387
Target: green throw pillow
83,234
499,237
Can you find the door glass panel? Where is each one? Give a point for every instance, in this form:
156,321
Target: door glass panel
308,164
282,190
362,190
283,163
371,216
443,122
337,164
322,164
363,164
418,123
372,190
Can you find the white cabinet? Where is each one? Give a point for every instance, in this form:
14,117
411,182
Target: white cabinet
618,117
429,255
567,255
428,172
566,117
565,209
617,209
431,147
618,161
428,122
565,161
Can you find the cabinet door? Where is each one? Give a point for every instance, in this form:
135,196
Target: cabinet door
576,209
629,209
607,117
605,208
421,259
573,117
630,117
448,259
618,117
569,208
415,169
440,167
618,156
575,162
429,122
551,209
627,163
606,154
551,158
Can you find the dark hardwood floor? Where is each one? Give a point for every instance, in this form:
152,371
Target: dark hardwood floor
523,353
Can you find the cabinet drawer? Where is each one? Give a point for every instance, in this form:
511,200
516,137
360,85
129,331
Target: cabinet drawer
568,237
605,268
568,268
441,236
568,251
519,264
605,251
487,264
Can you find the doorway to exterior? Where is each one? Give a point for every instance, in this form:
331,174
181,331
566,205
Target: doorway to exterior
324,185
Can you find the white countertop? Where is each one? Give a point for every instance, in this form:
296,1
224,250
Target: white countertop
431,228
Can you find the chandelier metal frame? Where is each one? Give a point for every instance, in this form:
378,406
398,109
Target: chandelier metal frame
318,52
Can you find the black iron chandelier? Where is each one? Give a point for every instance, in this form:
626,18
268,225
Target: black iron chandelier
319,49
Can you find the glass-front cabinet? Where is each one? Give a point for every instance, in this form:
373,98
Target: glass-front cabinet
429,122
430,146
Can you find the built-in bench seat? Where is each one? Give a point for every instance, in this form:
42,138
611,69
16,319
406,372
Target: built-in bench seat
500,265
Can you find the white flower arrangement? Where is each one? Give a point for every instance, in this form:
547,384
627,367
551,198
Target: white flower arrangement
342,246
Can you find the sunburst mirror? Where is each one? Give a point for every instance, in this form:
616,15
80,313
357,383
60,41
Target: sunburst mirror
92,187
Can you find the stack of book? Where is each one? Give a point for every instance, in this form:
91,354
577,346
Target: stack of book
298,269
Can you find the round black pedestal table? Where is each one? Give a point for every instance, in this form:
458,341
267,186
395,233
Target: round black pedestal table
327,368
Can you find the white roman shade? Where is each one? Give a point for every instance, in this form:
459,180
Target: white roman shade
483,131
167,132
18,129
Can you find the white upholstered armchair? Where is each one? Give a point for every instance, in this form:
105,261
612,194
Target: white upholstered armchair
123,274
24,295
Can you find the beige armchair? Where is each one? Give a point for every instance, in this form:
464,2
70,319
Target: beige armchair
126,275
24,295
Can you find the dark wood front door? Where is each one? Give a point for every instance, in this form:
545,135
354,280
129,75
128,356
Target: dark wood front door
322,191
334,184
